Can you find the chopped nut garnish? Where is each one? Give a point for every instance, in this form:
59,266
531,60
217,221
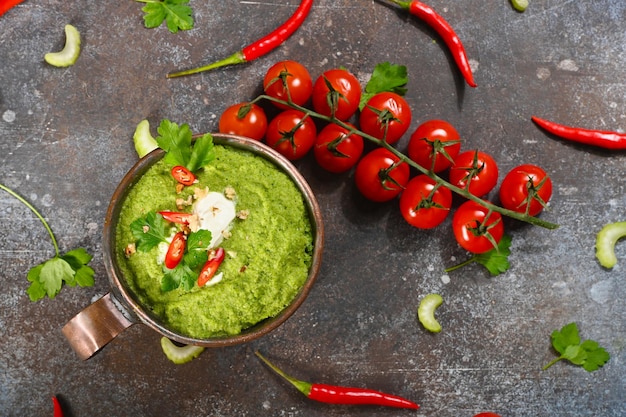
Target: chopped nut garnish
179,188
230,193
181,203
130,250
243,268
194,222
243,214
199,193
145,228
227,234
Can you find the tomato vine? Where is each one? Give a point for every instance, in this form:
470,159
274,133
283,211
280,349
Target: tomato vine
463,192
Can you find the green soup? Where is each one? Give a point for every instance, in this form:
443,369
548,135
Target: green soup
268,253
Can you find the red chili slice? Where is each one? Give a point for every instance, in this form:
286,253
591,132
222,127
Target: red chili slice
176,216
175,251
183,175
209,268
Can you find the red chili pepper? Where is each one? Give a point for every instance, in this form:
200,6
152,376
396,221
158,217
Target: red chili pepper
175,251
332,394
176,217
183,175
443,29
58,411
209,268
6,5
260,47
600,138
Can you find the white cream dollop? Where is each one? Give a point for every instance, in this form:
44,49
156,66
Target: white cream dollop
215,213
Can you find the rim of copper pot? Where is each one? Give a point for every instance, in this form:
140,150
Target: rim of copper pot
123,293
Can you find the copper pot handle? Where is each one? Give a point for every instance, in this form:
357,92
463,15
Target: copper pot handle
95,326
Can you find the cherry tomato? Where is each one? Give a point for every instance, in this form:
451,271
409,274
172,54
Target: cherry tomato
476,170
337,92
288,80
210,267
475,229
434,145
183,175
526,189
487,415
292,133
423,204
175,251
336,150
380,175
176,217
244,119
386,116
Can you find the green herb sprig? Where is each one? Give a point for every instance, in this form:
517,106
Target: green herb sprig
176,14
48,277
151,230
496,260
588,354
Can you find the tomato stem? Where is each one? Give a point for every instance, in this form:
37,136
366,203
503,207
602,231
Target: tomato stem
460,191
39,216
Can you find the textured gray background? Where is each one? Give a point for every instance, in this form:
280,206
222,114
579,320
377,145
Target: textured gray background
65,143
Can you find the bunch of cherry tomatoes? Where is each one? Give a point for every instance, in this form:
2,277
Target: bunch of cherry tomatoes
380,174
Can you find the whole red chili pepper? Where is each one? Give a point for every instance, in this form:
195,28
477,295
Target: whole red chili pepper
443,29
599,138
332,394
57,410
6,5
260,47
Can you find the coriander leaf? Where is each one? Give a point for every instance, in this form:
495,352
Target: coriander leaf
197,245
53,272
149,231
596,355
36,290
176,141
78,260
385,77
199,240
202,152
575,354
182,275
496,260
176,14
568,335
587,354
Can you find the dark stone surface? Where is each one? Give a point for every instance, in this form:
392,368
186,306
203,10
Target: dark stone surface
65,143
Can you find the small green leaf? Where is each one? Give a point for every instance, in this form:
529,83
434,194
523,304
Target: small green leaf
385,77
497,260
36,290
201,153
149,231
587,354
568,335
181,276
53,273
176,141
176,14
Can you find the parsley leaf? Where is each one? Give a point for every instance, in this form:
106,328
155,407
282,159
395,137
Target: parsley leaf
175,13
496,260
149,231
197,248
176,141
588,354
385,77
202,153
48,277
182,275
